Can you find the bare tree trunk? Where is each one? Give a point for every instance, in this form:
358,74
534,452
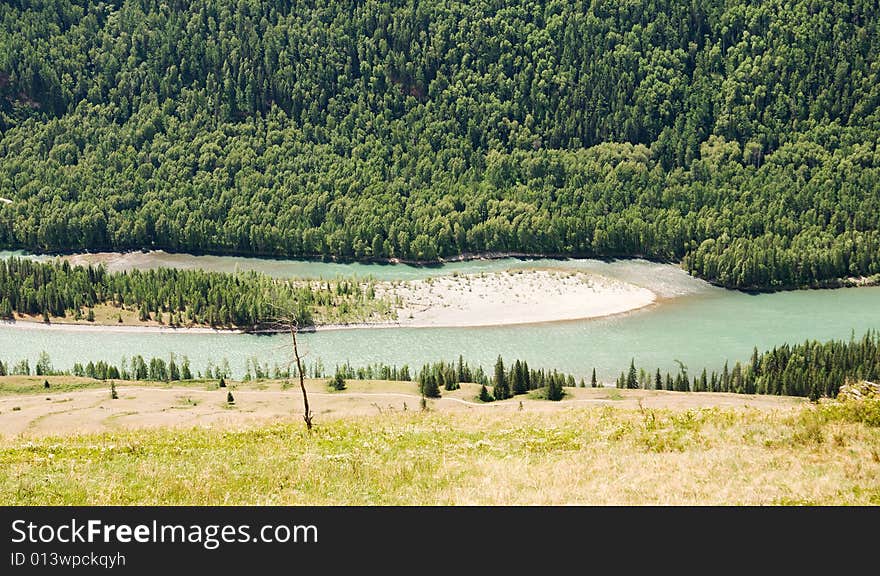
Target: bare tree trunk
307,413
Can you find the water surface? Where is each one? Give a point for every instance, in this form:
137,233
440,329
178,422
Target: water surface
695,323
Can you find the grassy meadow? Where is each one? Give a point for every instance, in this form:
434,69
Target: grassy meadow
596,447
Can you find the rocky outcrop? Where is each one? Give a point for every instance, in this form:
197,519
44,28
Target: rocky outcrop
859,390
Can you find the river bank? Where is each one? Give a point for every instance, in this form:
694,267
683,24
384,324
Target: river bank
484,299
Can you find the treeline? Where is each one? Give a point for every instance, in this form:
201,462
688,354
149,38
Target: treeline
447,375
376,371
739,137
812,369
256,370
180,297
137,368
520,379
505,383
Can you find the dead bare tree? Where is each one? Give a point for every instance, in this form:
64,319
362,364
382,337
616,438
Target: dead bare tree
290,322
307,413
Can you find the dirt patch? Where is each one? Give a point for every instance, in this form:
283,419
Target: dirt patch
145,406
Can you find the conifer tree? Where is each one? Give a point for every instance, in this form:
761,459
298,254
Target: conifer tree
632,380
725,379
185,372
517,381
428,384
554,389
500,390
337,382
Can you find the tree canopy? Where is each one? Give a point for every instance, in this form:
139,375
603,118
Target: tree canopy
738,137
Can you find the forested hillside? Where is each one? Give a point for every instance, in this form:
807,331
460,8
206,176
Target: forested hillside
737,136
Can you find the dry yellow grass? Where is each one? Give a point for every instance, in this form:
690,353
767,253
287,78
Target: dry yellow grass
80,405
644,448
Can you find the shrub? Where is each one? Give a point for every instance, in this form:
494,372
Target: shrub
865,411
337,382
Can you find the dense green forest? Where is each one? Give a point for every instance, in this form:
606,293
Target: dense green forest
736,136
247,300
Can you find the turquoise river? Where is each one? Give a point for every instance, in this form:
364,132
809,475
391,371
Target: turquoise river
692,322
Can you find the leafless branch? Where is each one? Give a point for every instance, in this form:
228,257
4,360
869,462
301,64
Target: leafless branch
290,323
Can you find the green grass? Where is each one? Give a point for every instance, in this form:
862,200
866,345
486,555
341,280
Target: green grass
574,455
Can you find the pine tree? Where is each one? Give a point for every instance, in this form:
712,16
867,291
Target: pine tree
428,384
484,394
173,371
6,309
185,372
681,382
701,384
725,379
554,389
632,380
658,381
500,390
45,384
230,399
737,379
222,383
593,382
517,380
337,382
814,392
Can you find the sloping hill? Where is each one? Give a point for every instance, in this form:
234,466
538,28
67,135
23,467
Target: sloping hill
737,136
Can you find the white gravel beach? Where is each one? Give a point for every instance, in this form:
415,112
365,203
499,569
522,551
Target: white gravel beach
514,297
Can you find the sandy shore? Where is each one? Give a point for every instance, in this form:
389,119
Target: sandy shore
486,299
514,297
